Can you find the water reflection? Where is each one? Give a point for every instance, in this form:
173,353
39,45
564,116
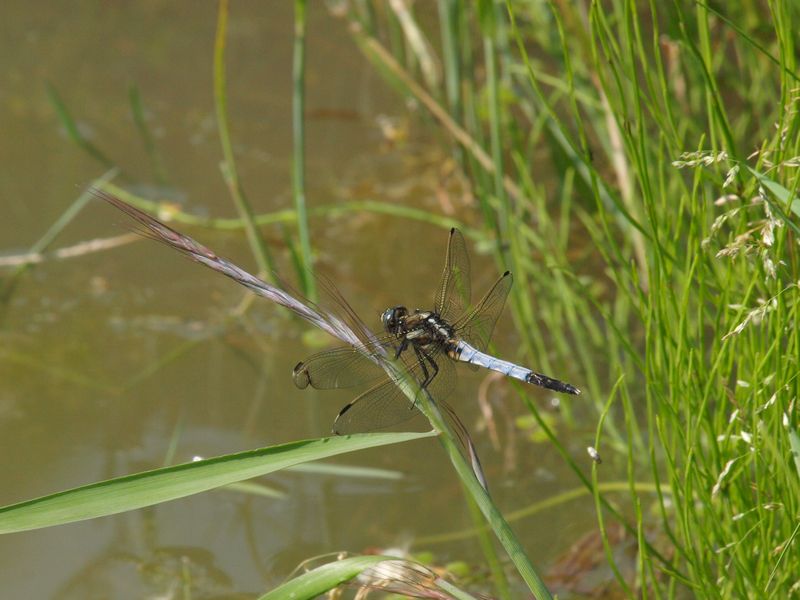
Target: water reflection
123,360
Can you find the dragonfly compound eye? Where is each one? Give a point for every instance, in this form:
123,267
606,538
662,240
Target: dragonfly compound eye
388,320
391,318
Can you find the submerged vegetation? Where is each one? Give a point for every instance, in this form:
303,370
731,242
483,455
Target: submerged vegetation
659,255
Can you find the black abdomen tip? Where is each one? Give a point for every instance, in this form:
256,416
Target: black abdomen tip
552,384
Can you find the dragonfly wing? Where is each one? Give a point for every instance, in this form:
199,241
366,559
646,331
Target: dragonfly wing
339,317
343,367
385,405
381,406
453,296
476,327
341,309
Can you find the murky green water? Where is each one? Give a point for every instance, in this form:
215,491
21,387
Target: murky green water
108,358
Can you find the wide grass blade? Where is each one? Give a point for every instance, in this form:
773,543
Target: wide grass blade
160,485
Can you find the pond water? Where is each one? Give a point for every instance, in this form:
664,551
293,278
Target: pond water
116,361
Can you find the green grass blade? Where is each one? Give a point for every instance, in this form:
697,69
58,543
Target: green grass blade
489,552
137,112
68,215
383,60
306,273
257,244
449,17
72,129
322,579
355,471
409,576
794,444
160,485
256,489
52,233
789,199
290,216
469,479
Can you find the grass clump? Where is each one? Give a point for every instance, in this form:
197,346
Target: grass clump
659,252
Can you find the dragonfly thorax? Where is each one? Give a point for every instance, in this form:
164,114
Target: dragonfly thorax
421,327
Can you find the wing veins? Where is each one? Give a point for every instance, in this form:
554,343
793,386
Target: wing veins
385,405
453,296
476,327
343,367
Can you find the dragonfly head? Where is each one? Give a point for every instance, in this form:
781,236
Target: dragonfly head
392,319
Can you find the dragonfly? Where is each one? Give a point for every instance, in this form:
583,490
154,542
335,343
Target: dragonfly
427,342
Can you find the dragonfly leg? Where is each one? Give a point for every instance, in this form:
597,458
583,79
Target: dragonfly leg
423,358
425,375
401,348
434,366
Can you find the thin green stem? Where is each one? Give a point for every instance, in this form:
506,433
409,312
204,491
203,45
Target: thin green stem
10,282
469,480
257,244
305,274
137,112
288,216
488,549
73,131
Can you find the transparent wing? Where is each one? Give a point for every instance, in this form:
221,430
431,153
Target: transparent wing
453,296
343,367
333,300
379,407
385,405
466,441
476,327
340,318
